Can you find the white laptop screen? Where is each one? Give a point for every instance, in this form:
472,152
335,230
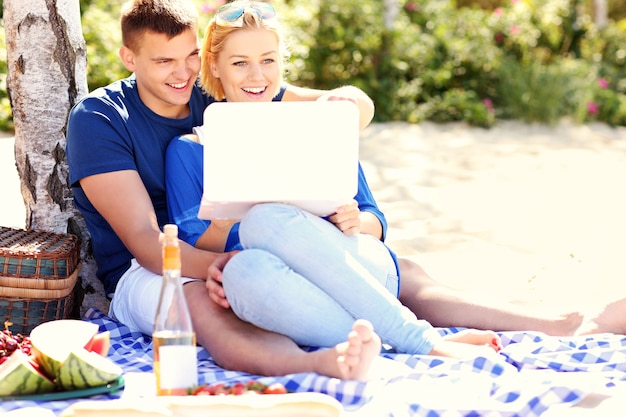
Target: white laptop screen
303,153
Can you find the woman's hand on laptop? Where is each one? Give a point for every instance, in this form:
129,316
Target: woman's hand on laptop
342,93
355,95
214,279
346,219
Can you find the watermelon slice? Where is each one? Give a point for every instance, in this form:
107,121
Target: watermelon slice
53,341
73,354
100,344
20,376
83,369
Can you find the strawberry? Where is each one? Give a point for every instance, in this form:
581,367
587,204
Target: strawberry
275,388
238,389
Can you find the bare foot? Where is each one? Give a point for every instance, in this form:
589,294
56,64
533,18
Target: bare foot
353,358
610,318
476,337
563,325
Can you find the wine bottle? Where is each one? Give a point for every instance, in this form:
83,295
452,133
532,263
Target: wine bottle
174,340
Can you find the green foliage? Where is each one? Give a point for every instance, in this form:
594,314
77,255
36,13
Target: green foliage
457,105
100,22
469,60
352,49
531,59
483,4
606,105
543,92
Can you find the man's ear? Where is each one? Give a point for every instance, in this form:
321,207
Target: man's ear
128,58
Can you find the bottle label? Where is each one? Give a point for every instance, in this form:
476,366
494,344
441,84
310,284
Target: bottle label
178,366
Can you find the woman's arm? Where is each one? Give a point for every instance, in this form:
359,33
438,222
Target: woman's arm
184,184
216,235
362,100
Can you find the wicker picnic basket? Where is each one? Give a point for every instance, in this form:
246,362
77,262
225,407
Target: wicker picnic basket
38,273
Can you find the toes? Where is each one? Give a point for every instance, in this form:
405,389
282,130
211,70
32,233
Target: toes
354,345
364,329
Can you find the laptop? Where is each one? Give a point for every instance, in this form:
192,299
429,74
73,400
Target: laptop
300,153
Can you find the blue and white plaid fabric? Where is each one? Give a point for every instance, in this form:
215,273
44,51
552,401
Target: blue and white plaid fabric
535,372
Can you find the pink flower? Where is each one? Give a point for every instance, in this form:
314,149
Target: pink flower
514,30
592,108
498,11
211,7
603,83
488,104
411,7
514,1
207,8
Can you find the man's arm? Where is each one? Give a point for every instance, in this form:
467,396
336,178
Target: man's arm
121,198
362,100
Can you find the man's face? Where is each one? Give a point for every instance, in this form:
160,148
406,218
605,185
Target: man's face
166,70
249,66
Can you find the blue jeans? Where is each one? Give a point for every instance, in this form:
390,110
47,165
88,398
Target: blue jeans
300,276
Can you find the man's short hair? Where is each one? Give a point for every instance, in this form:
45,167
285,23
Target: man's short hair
168,17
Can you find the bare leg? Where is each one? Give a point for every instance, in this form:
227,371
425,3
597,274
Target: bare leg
240,346
443,306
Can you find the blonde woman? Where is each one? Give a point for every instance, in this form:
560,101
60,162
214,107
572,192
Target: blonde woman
287,270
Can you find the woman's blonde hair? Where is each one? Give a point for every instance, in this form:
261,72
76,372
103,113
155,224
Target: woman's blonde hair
217,33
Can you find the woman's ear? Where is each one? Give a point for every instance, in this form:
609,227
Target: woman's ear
214,71
128,58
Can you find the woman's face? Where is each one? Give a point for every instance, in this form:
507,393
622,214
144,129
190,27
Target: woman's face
249,65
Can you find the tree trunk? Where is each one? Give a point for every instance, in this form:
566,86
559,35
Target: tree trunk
601,13
391,8
46,60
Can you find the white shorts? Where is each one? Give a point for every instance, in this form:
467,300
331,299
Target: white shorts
136,297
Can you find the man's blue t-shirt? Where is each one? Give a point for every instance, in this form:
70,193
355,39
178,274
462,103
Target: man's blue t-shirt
112,130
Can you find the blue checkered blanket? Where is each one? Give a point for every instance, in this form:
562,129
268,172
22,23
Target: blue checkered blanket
535,372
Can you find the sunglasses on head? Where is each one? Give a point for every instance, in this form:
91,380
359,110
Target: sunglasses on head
231,14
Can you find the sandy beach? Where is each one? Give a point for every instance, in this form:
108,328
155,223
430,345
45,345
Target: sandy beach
12,213
522,211
519,211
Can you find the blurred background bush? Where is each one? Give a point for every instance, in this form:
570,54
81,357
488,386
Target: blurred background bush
438,60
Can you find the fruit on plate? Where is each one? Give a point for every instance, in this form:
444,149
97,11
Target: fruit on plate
52,342
239,388
10,342
100,344
19,375
62,349
83,369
